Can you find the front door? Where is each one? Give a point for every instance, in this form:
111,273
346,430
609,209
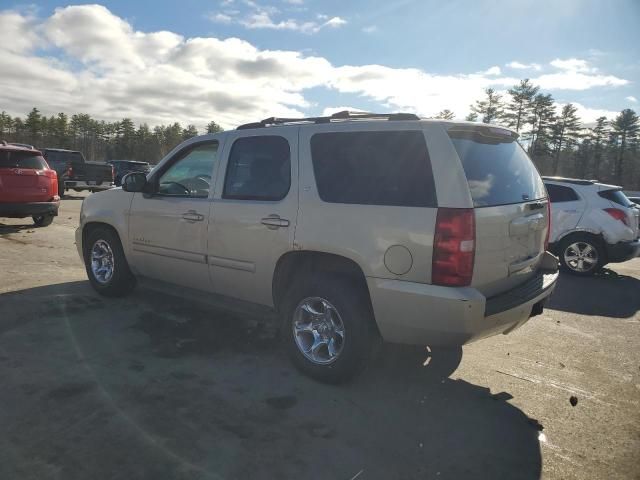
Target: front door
254,213
168,225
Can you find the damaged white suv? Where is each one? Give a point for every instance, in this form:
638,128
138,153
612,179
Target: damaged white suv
350,228
592,224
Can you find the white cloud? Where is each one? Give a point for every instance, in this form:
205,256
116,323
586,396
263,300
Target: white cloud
588,115
331,110
524,66
370,29
262,17
495,70
115,71
631,98
573,65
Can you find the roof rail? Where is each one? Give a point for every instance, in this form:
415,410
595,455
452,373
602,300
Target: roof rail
573,181
343,115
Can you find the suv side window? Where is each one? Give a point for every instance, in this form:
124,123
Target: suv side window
190,175
559,194
373,168
259,168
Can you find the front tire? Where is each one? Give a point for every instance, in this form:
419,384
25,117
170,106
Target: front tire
42,220
581,254
106,265
328,327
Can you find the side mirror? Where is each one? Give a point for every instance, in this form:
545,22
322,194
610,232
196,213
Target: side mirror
134,182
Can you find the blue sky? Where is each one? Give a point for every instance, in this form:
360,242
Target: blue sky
413,55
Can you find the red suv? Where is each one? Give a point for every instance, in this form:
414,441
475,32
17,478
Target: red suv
28,187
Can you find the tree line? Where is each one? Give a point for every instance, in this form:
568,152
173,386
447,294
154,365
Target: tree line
98,140
557,141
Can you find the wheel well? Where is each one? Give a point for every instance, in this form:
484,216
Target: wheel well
597,238
90,227
308,263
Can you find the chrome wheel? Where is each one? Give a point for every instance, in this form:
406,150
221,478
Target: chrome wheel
318,330
102,264
581,257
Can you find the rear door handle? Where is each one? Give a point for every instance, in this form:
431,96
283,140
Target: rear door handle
274,221
192,216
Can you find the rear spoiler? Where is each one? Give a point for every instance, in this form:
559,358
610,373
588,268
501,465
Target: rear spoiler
483,133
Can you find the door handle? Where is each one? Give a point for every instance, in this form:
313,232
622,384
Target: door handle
274,221
193,216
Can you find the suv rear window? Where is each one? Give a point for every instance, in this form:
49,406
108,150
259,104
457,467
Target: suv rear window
22,160
57,156
558,193
373,168
616,196
498,170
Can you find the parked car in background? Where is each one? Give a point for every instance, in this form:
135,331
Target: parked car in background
350,227
74,172
28,187
592,224
122,167
635,200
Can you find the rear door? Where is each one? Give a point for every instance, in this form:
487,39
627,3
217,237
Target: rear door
23,177
567,208
254,212
510,206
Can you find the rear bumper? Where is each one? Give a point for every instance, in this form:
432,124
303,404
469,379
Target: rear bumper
623,251
421,314
82,185
21,210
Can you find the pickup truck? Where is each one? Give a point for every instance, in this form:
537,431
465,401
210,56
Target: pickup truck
74,172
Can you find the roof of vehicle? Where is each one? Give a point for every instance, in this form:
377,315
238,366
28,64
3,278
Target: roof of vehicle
348,116
60,150
129,161
18,147
580,182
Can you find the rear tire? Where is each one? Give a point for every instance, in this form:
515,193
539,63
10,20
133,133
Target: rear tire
106,265
581,254
42,220
60,188
338,357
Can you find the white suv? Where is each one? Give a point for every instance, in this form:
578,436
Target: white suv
350,227
592,224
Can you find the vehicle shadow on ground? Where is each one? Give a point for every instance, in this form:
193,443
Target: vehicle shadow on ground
607,294
8,229
197,393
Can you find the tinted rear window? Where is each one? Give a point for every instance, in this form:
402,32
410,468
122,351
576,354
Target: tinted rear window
498,170
373,168
616,196
55,156
22,160
558,193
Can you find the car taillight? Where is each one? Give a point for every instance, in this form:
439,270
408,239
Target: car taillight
454,247
618,215
113,174
546,237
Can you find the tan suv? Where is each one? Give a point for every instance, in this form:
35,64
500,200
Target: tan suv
351,228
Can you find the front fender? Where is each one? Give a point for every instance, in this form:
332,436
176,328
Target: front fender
110,207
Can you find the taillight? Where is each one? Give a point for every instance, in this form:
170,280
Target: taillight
454,247
546,237
618,215
113,174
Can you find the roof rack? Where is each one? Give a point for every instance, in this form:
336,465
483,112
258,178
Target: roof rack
338,116
573,181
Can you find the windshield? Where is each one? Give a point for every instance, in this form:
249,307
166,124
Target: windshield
20,159
498,170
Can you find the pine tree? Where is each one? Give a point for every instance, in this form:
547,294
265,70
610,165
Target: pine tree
446,114
566,131
213,127
541,119
472,117
599,135
626,127
189,132
519,107
491,108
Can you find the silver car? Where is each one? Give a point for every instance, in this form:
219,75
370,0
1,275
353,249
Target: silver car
351,228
